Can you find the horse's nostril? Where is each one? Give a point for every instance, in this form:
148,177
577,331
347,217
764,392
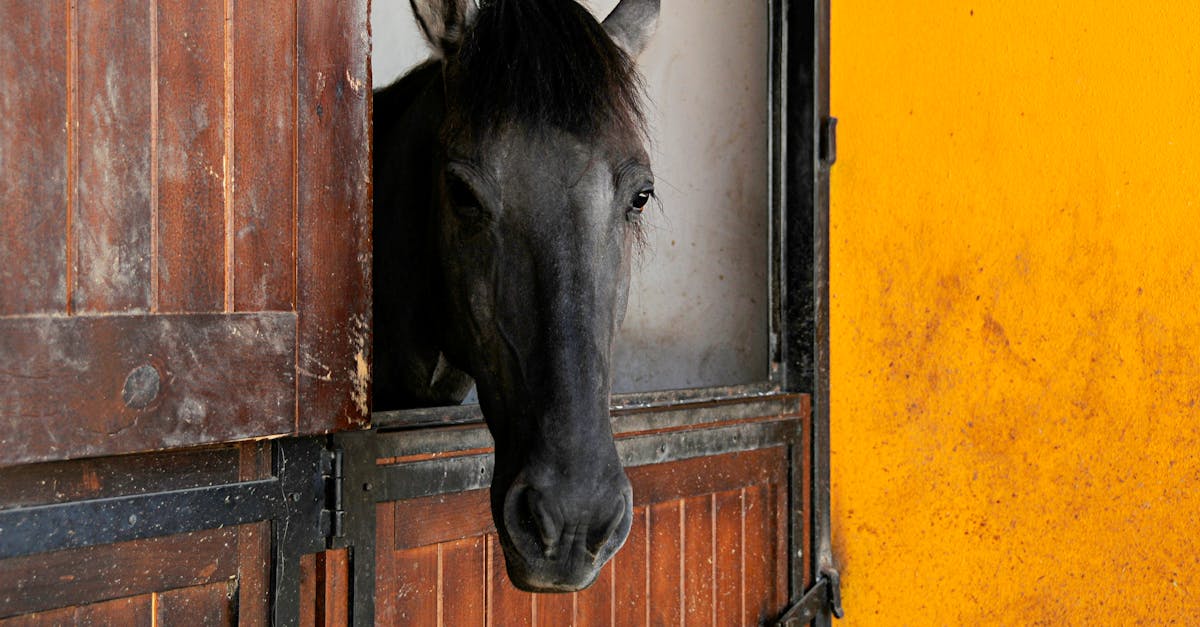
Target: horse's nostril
545,521
600,534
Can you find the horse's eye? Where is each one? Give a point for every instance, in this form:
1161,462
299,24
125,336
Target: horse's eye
639,201
463,199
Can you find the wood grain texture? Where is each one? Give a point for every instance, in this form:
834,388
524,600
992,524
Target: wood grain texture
111,228
708,545
333,588
59,482
665,563
630,573
699,560
219,378
130,611
333,217
728,554
88,575
264,153
463,588
191,154
442,518
33,158
254,574
210,605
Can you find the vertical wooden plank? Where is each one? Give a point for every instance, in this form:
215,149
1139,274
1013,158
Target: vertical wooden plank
728,515
129,611
758,561
665,563
33,158
333,588
111,238
630,570
554,610
334,217
209,605
416,573
387,588
191,153
508,605
464,581
308,590
254,573
779,545
698,559
594,606
264,153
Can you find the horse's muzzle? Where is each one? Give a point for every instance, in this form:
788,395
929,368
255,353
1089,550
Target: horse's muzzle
556,543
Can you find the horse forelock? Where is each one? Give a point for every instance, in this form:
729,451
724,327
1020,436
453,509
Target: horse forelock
538,63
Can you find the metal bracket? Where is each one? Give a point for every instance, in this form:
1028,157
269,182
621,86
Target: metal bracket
825,596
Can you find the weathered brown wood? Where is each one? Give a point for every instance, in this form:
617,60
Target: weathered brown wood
665,563
254,574
631,574
58,482
699,559
191,152
415,589
386,584
130,611
728,516
333,588
264,155
594,606
554,610
79,576
705,475
210,605
759,562
69,389
508,606
442,518
463,589
111,225
33,158
333,217
309,589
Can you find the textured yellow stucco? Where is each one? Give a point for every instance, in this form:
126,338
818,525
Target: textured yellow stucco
1016,311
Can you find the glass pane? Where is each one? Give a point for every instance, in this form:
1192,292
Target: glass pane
698,310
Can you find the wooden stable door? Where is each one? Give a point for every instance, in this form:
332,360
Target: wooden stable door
184,223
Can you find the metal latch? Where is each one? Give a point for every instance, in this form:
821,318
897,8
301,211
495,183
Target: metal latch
825,595
828,142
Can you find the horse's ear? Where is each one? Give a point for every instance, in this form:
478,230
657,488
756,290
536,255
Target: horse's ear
444,21
632,24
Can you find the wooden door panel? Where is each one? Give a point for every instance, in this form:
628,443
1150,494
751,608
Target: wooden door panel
169,158
33,160
707,550
102,385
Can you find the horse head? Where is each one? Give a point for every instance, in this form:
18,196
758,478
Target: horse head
533,155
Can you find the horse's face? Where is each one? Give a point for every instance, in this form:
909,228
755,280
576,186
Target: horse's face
541,228
536,227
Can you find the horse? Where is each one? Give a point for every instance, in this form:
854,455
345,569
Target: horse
510,179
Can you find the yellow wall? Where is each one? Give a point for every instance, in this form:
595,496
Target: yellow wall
1016,311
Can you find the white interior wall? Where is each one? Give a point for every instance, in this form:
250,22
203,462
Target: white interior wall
698,304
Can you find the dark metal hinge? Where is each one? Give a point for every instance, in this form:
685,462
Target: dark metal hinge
828,145
333,516
825,596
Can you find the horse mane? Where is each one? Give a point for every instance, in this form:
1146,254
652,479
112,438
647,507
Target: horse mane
543,62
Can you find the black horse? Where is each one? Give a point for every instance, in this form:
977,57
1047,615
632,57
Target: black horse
510,177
